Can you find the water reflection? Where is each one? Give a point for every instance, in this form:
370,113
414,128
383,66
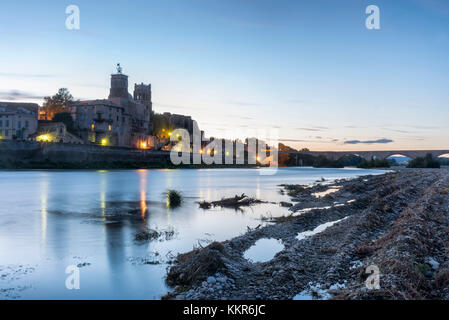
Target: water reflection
93,216
44,208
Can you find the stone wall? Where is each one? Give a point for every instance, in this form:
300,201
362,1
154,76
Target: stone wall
74,153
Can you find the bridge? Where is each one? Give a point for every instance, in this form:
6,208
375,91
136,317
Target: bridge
368,155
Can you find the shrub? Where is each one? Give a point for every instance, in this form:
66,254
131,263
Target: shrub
374,163
323,162
174,198
424,162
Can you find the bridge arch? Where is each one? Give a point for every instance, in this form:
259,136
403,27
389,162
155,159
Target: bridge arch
399,158
394,154
444,159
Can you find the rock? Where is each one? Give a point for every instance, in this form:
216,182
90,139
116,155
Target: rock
433,263
221,279
285,204
211,279
84,264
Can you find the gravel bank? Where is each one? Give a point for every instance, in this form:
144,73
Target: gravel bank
398,222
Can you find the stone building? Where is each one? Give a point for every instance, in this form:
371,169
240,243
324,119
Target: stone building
49,131
180,121
99,122
18,120
120,120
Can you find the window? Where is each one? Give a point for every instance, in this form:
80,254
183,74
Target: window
1,123
6,125
26,124
19,124
6,133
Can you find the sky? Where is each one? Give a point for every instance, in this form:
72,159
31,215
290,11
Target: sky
309,72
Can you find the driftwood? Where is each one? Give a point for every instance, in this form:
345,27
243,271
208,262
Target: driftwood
234,202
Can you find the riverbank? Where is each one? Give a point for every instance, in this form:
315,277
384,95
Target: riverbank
397,222
112,165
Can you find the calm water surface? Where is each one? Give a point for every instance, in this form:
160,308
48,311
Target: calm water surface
52,219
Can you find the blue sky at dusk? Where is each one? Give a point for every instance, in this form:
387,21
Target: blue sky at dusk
311,69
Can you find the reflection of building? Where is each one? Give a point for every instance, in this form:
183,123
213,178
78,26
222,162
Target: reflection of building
121,120
49,131
18,120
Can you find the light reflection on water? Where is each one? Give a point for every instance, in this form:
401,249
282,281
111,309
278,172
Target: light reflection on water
52,219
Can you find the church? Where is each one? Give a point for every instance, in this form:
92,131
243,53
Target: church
120,120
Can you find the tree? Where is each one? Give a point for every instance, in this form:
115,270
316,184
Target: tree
424,162
57,103
161,125
374,163
323,162
65,118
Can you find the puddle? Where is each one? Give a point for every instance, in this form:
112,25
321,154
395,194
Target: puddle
263,250
316,291
313,292
320,228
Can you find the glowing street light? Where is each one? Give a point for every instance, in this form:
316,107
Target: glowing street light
104,142
44,138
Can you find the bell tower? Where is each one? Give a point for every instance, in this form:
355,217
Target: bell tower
119,84
142,94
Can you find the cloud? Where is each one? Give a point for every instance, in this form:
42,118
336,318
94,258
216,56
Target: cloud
26,75
314,129
293,140
368,141
310,140
397,130
424,127
13,95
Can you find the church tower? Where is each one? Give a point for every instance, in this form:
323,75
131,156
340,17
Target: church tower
119,84
142,94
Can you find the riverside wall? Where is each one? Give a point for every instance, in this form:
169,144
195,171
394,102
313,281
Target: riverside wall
28,152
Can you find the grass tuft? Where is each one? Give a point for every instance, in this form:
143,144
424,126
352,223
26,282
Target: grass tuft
174,198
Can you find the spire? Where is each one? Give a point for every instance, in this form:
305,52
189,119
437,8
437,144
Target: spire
119,68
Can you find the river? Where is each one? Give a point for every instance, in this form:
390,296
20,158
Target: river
50,220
